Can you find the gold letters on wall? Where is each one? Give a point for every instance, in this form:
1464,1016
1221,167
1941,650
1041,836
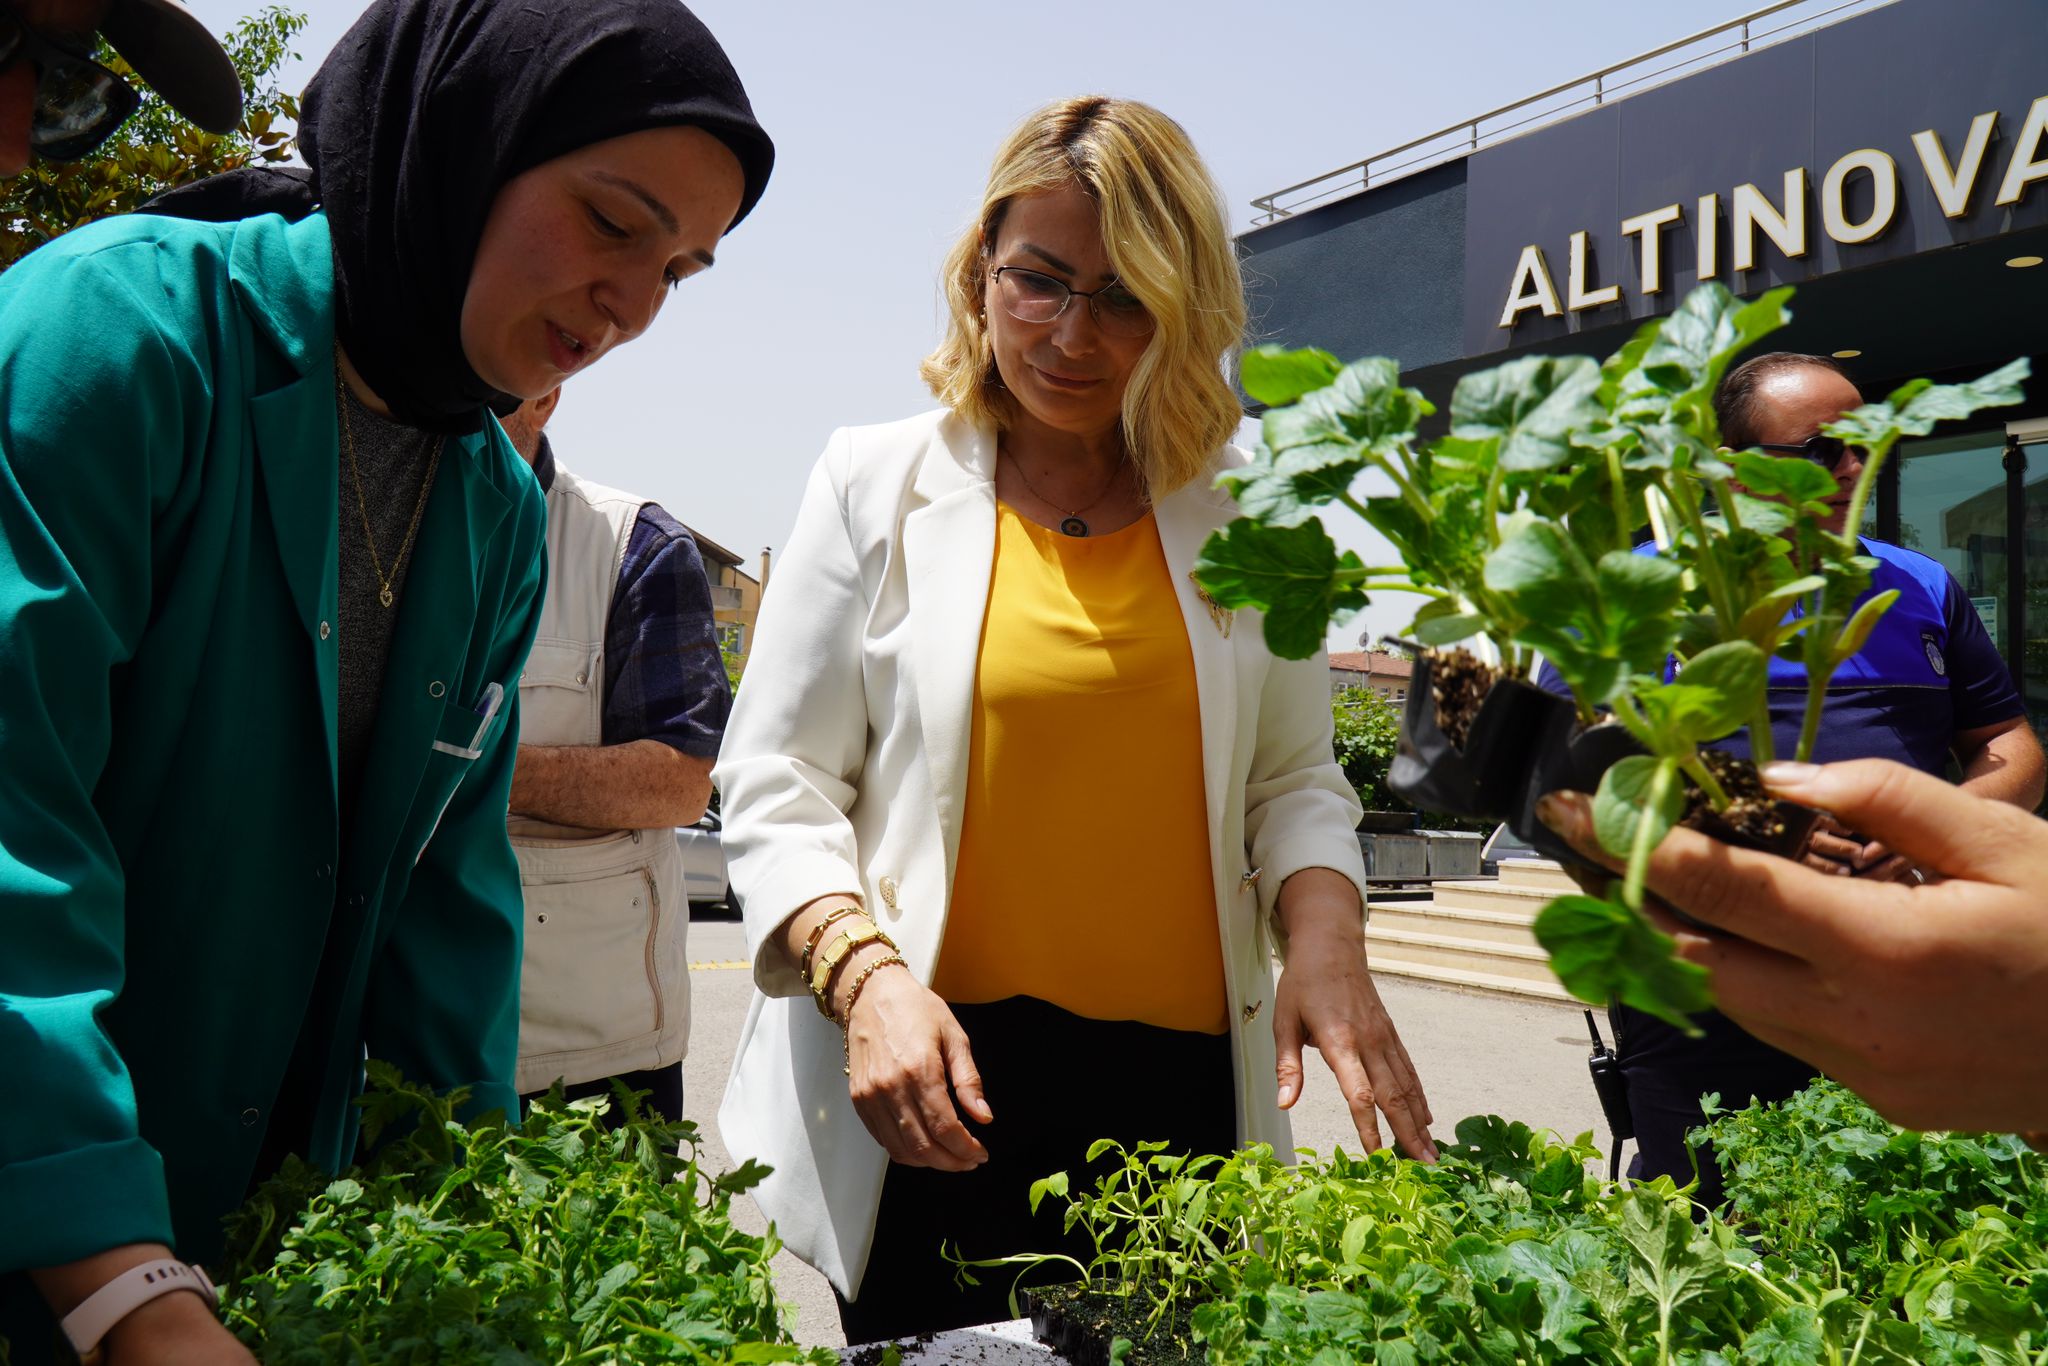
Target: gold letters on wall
1783,218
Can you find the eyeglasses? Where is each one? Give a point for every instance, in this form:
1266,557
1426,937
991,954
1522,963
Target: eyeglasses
78,104
1031,296
1824,451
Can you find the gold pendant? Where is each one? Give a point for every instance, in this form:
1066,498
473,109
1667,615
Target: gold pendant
384,595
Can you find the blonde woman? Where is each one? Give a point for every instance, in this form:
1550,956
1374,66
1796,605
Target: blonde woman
1017,816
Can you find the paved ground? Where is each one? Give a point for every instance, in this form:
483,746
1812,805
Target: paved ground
1477,1055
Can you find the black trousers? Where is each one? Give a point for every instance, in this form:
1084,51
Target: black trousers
1056,1082
1667,1075
666,1083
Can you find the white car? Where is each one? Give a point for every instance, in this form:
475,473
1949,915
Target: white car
703,860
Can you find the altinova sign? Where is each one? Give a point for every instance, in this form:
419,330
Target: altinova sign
1729,239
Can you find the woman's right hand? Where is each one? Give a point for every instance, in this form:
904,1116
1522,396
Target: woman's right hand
906,1050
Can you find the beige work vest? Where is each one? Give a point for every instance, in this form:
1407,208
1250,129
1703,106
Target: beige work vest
606,984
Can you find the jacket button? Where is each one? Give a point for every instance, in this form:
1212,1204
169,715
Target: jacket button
249,1117
582,678
325,630
436,689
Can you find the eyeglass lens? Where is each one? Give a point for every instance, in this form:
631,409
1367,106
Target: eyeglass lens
1032,297
78,102
77,105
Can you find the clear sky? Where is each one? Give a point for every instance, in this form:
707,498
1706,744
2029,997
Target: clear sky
885,117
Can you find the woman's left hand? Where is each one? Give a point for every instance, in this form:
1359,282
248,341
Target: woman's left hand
1326,999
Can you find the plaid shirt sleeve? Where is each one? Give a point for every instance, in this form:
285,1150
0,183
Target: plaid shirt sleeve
664,678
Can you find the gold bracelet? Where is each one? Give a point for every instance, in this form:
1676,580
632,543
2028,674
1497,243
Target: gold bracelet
836,953
803,968
853,995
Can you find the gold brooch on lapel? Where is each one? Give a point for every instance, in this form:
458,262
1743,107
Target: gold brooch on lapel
1251,1012
1218,613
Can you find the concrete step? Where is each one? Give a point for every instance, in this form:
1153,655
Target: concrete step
1468,979
1547,874
1453,922
1494,896
1527,961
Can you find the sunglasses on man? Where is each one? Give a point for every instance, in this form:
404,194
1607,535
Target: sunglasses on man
1823,450
78,102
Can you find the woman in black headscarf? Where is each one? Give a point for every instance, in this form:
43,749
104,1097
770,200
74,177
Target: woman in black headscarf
268,574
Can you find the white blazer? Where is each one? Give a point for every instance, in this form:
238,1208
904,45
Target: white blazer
844,770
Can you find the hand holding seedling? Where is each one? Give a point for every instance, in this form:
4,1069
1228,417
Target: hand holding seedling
1925,1000
1520,529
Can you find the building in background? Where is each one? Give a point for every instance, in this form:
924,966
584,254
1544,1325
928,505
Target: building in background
1889,159
1374,670
735,594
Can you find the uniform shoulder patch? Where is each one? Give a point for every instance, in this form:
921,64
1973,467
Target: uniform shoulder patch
1934,656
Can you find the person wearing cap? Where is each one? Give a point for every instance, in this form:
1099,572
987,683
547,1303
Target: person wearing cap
269,572
58,104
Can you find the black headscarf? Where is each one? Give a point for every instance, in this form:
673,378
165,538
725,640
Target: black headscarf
417,118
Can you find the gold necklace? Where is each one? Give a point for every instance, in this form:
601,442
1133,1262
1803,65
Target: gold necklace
1073,525
348,441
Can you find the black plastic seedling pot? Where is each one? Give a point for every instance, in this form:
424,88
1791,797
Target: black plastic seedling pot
1577,763
1795,828
1066,1334
1485,778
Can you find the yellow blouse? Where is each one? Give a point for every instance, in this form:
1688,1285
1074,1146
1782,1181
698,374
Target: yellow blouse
1084,875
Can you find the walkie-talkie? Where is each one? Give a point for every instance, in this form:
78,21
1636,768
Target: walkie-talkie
1611,1085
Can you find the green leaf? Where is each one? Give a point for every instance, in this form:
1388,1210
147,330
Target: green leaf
1791,1337
1667,1261
1292,574
1602,951
1365,408
1708,329
1541,572
1791,477
1639,600
1274,375
1915,409
1623,803
1529,406
1448,628
1714,695
1760,624
1857,633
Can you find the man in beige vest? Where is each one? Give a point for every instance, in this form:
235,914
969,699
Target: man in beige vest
622,707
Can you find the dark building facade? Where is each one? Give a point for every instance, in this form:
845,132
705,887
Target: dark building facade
1893,166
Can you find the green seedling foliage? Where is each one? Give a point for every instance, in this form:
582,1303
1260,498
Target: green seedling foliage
1847,1241
1519,525
553,1240
1293,574
1275,375
1625,802
1718,687
1527,409
1602,951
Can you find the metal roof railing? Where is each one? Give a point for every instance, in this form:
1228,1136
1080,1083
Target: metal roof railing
1723,42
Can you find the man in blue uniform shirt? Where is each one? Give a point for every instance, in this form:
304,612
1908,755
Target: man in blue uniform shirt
1928,688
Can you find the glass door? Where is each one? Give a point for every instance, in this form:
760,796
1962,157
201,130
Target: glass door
1952,506
2029,655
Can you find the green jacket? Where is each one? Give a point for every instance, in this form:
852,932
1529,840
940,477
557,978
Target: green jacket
174,900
